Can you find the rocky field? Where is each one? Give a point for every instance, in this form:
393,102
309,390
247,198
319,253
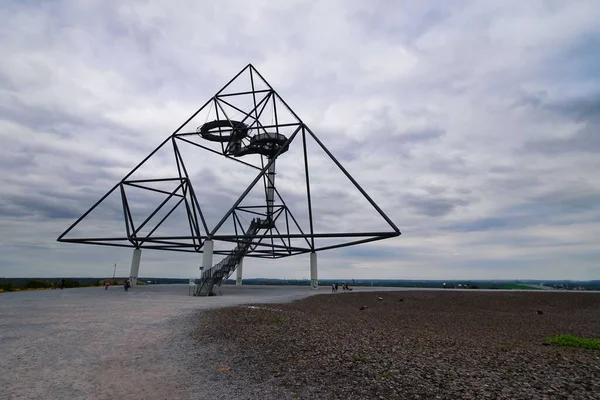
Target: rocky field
411,344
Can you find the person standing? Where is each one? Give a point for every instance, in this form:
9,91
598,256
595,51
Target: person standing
62,284
106,284
126,285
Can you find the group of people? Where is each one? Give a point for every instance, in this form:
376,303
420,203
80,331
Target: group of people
345,287
126,284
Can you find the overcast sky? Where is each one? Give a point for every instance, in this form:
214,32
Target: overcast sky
473,124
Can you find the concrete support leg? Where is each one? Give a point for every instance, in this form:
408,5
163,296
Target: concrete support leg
314,280
207,255
135,266
238,279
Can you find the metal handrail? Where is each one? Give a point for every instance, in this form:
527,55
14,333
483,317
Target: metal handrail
223,269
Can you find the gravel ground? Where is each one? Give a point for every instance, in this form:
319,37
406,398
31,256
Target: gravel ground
90,343
409,345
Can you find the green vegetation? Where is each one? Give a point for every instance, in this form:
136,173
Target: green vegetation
6,287
18,284
574,341
504,347
35,284
279,320
360,358
519,286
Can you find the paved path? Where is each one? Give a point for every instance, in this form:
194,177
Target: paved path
90,343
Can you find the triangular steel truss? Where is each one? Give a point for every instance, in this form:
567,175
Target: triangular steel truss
274,240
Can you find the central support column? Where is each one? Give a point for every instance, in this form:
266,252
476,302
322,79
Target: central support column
270,191
135,266
238,280
314,280
207,255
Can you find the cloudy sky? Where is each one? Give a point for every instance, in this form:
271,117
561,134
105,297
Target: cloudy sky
474,125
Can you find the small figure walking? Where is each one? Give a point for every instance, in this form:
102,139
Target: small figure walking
333,288
126,285
106,284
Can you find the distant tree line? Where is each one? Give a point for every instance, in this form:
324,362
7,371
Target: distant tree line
15,284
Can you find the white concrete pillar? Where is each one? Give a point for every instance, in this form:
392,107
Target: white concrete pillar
238,279
135,266
207,255
314,280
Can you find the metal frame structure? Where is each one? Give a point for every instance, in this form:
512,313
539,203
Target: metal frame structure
271,242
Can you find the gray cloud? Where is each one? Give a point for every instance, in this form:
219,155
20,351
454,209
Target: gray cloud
434,206
390,141
560,207
586,140
584,110
33,205
456,166
424,135
382,21
581,109
569,199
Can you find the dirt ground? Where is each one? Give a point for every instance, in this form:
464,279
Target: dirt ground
91,343
408,345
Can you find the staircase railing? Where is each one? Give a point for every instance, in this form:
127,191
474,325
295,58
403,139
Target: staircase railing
218,273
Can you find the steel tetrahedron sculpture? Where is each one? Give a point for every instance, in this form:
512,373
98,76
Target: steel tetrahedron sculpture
248,124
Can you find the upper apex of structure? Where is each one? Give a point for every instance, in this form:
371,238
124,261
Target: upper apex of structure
248,80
